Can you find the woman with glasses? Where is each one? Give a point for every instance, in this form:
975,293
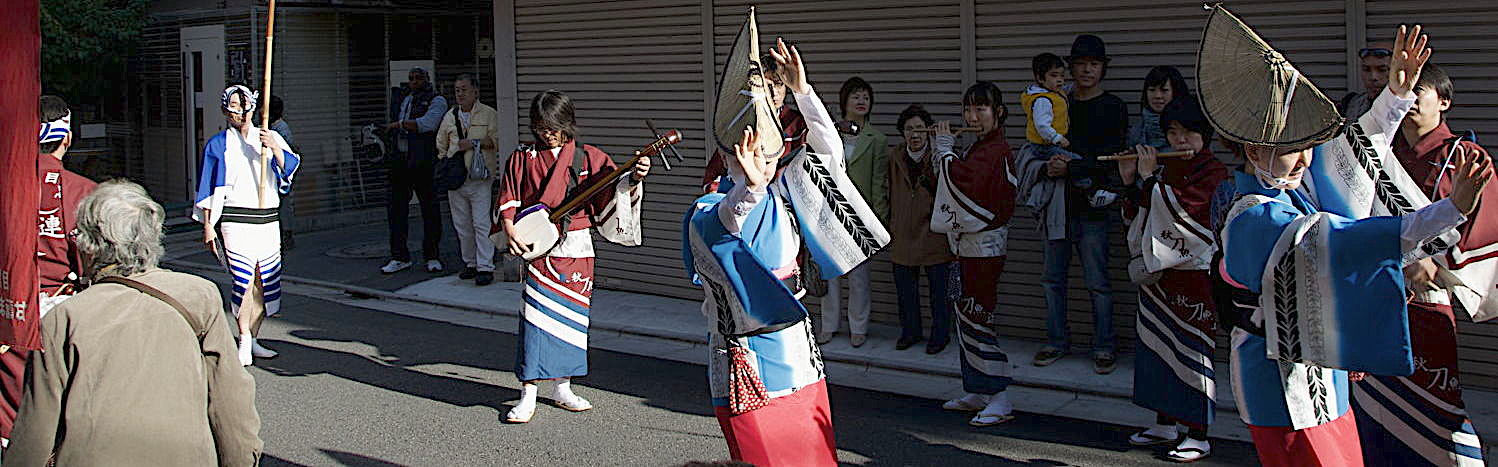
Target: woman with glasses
559,284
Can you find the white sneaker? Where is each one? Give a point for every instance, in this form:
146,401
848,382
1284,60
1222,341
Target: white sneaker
261,352
246,354
434,265
395,266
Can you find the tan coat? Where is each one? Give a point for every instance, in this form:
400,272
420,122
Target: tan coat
482,125
122,382
911,241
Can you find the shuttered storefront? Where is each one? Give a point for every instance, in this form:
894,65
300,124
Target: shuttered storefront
309,70
1140,34
332,56
621,63
1463,42
158,77
330,69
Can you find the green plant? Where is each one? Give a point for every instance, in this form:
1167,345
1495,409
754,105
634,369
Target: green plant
85,46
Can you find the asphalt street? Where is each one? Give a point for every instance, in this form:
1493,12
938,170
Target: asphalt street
357,386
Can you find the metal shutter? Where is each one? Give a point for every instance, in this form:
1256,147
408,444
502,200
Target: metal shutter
310,69
624,62
1462,39
1140,34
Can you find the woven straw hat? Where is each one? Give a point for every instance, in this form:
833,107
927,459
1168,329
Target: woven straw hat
744,95
1253,95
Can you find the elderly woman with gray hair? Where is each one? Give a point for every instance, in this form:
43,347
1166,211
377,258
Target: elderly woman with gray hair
140,368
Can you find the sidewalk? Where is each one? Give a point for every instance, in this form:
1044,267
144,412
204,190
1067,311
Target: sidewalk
641,324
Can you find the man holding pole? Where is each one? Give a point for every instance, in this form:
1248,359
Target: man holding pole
239,224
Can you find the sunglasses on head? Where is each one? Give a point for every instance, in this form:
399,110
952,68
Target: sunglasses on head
1375,52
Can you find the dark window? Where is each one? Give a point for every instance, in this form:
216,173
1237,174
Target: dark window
197,72
410,38
153,104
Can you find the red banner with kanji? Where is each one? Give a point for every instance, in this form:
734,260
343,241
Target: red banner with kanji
20,87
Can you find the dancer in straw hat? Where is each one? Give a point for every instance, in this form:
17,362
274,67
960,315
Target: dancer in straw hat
1317,269
765,370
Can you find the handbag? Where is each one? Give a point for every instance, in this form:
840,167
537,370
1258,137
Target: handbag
449,173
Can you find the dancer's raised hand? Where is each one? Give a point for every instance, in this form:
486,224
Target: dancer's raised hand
792,70
1410,54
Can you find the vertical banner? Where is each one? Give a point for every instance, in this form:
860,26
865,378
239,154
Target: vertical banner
20,87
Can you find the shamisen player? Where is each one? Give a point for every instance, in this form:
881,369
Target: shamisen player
559,285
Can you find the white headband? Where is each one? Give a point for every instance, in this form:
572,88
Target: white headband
252,97
56,130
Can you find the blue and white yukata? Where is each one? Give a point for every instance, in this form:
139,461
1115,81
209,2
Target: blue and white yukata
1322,282
249,234
741,246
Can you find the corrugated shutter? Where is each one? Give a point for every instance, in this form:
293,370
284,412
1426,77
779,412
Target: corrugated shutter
1140,34
909,52
1463,42
310,69
624,62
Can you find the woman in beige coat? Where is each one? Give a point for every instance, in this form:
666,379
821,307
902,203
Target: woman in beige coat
124,379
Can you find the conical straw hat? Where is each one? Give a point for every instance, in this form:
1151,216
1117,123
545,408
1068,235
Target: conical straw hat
1253,95
744,95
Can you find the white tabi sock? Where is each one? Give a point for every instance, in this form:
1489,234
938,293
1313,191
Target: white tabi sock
564,395
523,410
1163,431
1190,442
998,404
528,395
246,357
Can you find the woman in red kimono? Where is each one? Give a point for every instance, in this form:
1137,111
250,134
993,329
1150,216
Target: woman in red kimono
1168,210
974,203
559,285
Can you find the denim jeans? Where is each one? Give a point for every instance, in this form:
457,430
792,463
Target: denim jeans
942,280
1090,239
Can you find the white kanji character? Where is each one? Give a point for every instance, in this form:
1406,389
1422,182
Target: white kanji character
51,226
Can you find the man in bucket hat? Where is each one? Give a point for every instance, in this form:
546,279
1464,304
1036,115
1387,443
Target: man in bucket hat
1099,127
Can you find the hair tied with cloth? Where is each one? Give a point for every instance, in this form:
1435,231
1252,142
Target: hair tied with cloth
252,98
56,130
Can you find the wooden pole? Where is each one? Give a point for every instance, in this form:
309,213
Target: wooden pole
263,187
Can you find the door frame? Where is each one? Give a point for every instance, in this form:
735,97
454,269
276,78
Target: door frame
202,53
